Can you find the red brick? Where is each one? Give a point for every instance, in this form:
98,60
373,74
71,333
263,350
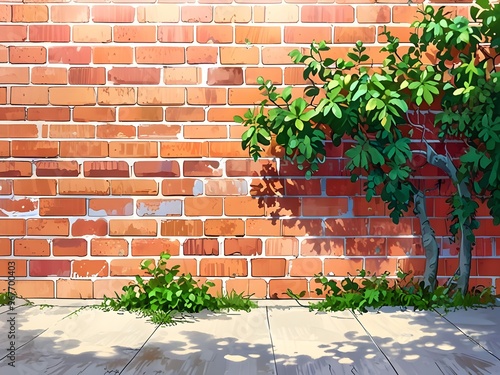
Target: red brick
141,114
278,287
243,246
35,95
63,207
158,13
27,55
214,34
205,131
145,227
72,131
42,149
90,268
49,114
49,76
83,186
106,169
282,247
156,169
113,55
161,95
305,35
201,55
324,206
302,227
133,149
183,187
182,228
74,288
72,95
386,227
111,207
258,34
134,34
196,13
343,266
158,131
134,76
159,207
115,96
14,75
160,55
201,246
230,14
202,206
239,55
128,267
263,227
10,266
113,13
184,114
69,13
244,168
327,13
181,75
116,131
15,169
93,34
176,34
83,227
134,187
44,268
13,113
84,114
404,247
322,246
48,227
31,247
381,265
224,227
373,14
223,267
49,33
306,267
183,149
69,247
202,169
13,33
108,247
30,13
5,187
154,247
35,187
365,247
87,76
206,96
256,288
348,34
34,288
57,168
346,227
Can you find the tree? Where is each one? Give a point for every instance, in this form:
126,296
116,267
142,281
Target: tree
375,107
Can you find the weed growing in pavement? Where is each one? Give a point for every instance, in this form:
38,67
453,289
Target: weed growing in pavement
166,296
365,290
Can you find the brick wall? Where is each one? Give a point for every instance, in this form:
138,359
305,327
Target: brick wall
117,143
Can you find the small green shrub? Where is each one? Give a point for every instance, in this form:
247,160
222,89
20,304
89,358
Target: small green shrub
365,291
166,295
4,298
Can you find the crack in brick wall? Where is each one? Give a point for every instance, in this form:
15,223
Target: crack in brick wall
117,143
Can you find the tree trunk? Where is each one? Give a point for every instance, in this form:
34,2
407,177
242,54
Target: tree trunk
445,163
428,241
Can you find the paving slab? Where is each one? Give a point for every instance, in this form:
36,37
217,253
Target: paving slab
90,342
28,323
481,325
309,343
425,343
220,344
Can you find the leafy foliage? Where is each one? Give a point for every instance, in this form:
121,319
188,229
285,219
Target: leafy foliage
365,291
5,298
369,106
166,295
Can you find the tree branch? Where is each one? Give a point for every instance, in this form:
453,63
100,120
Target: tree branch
428,241
445,164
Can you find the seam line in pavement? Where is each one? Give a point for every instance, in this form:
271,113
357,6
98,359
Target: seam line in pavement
374,343
271,339
138,351
468,336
